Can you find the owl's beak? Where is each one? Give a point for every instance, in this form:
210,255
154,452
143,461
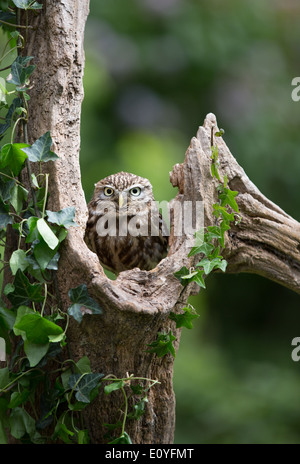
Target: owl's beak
121,200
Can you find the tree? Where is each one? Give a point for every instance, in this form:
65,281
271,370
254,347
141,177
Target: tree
137,305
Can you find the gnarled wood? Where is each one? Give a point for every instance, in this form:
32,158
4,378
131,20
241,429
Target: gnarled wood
267,240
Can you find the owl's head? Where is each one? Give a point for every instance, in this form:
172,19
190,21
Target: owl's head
125,190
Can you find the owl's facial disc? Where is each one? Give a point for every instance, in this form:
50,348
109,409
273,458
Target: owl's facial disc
124,199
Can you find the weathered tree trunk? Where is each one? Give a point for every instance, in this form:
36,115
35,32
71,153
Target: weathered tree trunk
134,309
137,304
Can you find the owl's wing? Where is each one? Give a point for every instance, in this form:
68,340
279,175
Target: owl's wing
86,239
89,231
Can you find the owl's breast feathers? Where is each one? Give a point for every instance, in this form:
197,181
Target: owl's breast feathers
132,240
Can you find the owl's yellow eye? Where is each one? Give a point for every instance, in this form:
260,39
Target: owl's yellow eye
108,191
135,191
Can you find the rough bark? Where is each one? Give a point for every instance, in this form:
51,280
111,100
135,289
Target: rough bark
137,304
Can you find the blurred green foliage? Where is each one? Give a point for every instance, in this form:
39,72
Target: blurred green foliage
154,69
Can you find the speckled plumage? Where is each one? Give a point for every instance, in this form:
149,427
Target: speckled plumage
123,204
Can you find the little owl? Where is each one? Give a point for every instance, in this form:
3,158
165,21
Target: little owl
125,228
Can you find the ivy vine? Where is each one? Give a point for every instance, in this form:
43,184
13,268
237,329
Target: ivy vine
32,324
210,243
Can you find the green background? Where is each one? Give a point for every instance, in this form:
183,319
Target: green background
154,69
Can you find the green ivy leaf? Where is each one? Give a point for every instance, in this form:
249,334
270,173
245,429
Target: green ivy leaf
185,319
16,103
43,240
83,385
61,431
5,15
198,278
83,437
224,227
205,248
122,440
46,233
18,196
28,4
5,217
4,377
22,310
45,257
3,419
214,153
64,217
35,6
37,328
137,389
13,156
7,318
225,180
212,232
80,298
18,398
40,200
113,386
20,71
214,171
222,211
14,34
84,365
35,352
40,151
35,181
215,254
190,275
207,265
210,264
33,232
163,344
18,260
220,264
181,274
6,188
24,292
185,276
227,197
138,410
53,263
20,423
